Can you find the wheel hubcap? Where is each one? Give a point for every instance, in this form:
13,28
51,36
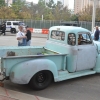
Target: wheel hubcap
41,77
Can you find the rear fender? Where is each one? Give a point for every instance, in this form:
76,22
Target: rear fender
24,71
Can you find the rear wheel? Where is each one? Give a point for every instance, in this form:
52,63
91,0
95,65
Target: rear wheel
41,80
13,30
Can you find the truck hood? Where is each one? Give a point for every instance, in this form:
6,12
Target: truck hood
97,44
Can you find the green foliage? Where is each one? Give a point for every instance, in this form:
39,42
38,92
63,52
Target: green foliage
17,6
20,9
51,4
74,17
86,14
2,3
50,11
7,13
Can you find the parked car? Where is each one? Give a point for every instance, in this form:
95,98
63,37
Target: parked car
12,26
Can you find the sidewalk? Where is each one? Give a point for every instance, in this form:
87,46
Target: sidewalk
6,94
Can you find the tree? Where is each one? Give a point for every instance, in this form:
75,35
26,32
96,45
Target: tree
86,14
74,17
20,9
60,12
2,3
41,9
51,4
17,6
7,13
98,14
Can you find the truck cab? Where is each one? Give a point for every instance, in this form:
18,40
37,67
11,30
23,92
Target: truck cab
77,43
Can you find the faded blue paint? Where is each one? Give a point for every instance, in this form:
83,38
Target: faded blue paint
22,74
56,56
21,51
35,62
97,68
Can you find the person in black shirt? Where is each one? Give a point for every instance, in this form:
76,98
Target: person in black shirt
96,35
28,34
3,27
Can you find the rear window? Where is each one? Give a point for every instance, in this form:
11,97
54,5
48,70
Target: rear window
58,35
71,39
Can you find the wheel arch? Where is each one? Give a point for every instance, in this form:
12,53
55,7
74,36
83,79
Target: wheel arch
23,72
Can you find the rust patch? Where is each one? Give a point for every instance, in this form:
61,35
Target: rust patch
10,53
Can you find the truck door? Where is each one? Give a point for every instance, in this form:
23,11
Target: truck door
86,52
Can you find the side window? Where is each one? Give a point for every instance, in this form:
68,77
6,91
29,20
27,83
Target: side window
58,35
15,23
71,39
84,38
22,23
8,23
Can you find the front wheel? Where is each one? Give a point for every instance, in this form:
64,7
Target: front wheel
41,80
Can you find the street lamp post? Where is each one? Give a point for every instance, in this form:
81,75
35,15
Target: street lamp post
93,14
42,17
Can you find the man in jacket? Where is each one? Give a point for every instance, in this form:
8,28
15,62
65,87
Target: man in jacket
96,35
3,27
28,35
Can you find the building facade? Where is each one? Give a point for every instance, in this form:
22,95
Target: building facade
8,2
79,5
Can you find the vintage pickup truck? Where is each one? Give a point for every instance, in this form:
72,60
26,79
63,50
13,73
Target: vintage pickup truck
68,53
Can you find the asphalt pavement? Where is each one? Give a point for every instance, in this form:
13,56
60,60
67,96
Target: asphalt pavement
37,35
6,94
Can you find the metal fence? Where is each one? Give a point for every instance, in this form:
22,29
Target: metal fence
48,23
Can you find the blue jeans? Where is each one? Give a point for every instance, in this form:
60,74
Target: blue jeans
28,43
24,42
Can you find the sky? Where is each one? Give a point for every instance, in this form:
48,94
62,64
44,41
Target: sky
71,3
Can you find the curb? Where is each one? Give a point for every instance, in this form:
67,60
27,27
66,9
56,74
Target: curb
6,94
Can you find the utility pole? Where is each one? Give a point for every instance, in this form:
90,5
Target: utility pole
93,14
42,17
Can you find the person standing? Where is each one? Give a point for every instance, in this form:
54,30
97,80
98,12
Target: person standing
3,27
22,39
96,35
28,34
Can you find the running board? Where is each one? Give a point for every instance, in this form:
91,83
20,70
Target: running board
66,76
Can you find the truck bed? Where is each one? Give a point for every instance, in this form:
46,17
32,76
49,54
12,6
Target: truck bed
24,51
10,56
